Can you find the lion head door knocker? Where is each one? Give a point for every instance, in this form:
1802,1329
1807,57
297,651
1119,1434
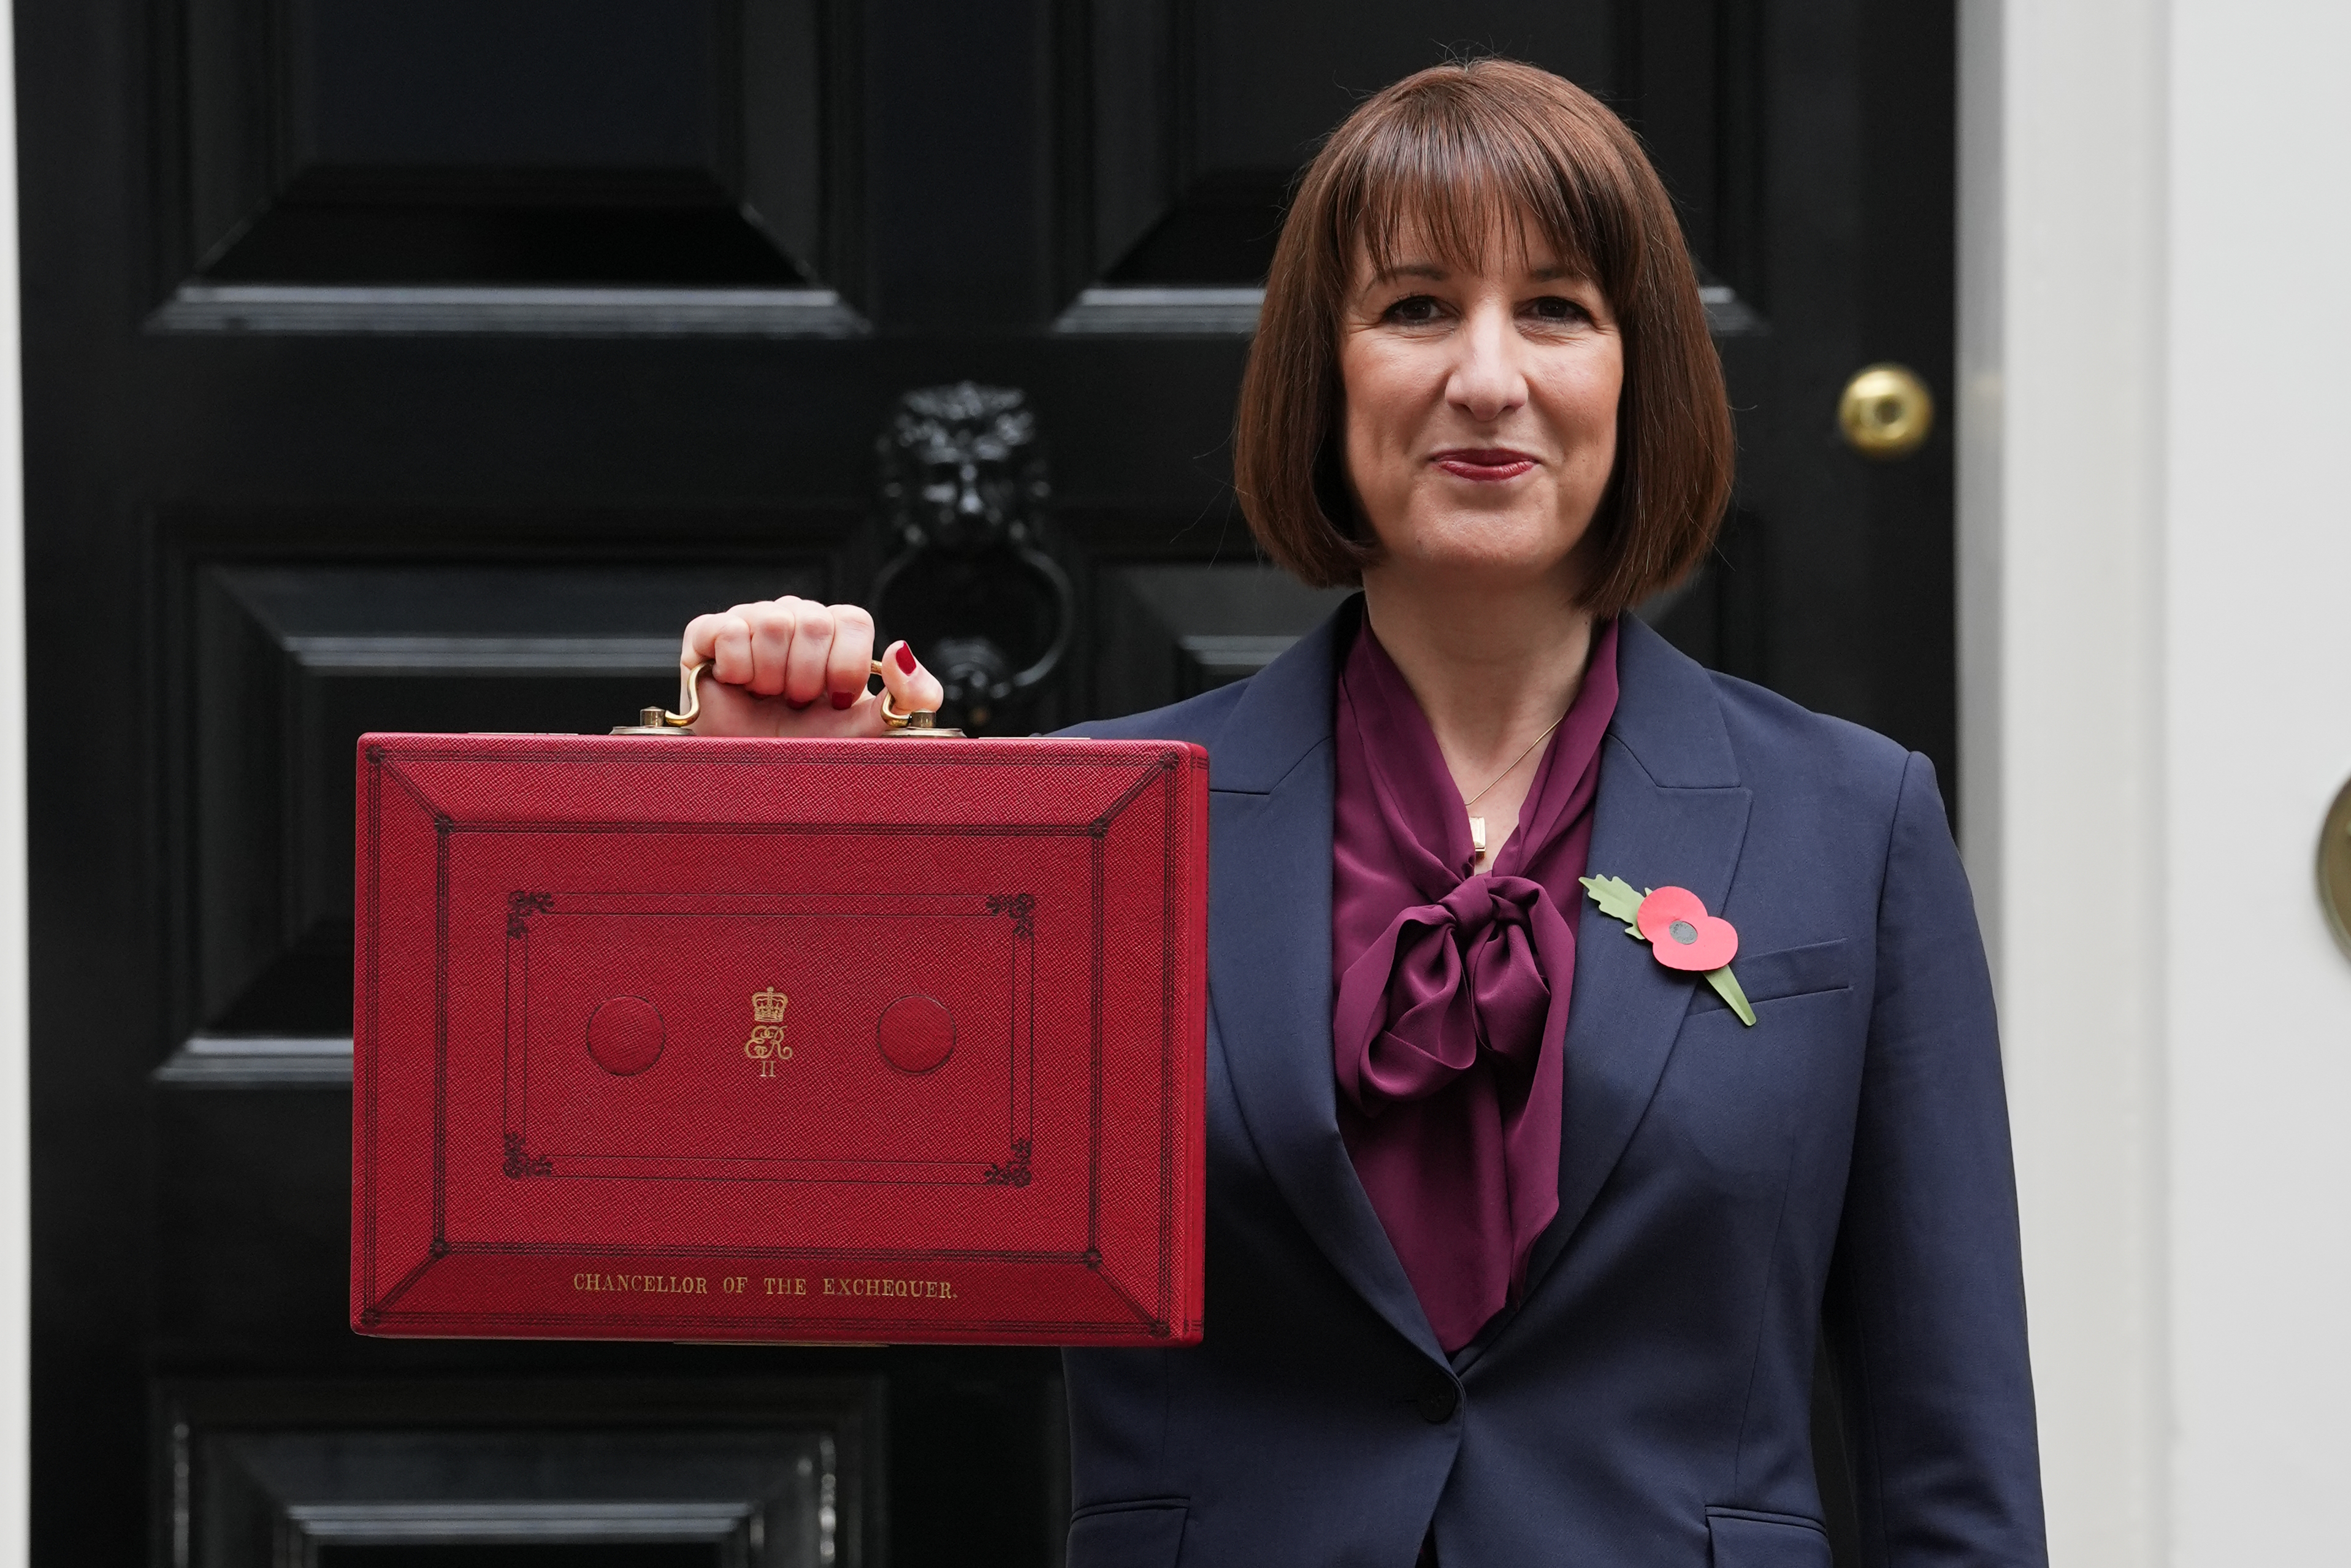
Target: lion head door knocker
965,577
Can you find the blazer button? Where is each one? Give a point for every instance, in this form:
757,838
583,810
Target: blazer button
1438,1401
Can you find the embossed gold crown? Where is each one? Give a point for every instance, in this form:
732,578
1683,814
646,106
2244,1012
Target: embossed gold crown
768,1006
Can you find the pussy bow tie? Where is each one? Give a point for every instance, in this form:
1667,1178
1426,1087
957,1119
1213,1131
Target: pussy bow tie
1447,980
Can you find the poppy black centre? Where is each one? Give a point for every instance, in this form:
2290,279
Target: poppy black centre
1683,932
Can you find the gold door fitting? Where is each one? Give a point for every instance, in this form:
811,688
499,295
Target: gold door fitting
1886,410
2335,868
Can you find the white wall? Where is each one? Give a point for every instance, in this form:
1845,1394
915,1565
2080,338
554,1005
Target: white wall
2156,709
2061,572
2258,542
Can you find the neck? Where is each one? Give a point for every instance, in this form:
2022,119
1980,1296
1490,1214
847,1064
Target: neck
1491,669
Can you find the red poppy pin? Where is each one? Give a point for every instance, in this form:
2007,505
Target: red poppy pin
1674,921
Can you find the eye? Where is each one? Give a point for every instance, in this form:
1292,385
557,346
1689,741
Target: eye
1557,307
1412,310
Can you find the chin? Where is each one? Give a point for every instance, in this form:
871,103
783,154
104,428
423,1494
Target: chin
1483,545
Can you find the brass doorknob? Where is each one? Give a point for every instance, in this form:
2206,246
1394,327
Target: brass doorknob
1885,412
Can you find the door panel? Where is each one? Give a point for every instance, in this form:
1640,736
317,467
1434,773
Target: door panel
289,660
646,143
426,364
1201,113
1168,632
314,1474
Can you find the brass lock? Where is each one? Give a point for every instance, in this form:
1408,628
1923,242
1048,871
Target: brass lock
1885,412
919,724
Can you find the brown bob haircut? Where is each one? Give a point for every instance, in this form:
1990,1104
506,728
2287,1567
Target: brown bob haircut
1457,155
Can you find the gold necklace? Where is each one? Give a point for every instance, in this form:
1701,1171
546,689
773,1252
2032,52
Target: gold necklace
1478,824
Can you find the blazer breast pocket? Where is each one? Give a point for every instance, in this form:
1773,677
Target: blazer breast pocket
1145,1533
1745,1538
1787,972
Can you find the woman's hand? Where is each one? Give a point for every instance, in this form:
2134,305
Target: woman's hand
795,667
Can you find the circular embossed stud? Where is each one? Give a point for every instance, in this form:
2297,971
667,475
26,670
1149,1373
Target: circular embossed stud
625,1035
915,1034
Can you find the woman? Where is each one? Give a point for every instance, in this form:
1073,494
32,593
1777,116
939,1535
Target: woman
1519,1238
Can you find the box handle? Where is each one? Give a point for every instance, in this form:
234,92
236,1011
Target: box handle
919,724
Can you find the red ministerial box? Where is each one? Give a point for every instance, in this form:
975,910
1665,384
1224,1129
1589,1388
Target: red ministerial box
892,1039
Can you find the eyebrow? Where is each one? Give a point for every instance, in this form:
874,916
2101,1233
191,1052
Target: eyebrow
1438,274
1410,269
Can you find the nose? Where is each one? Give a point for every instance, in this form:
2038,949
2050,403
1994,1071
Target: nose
1487,379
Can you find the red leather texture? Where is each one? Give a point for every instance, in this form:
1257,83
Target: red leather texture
894,1041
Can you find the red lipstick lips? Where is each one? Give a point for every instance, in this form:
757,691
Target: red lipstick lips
1484,462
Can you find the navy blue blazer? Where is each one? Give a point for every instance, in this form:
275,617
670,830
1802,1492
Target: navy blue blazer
1721,1190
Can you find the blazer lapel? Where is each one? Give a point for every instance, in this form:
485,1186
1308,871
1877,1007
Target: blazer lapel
1270,781
1670,812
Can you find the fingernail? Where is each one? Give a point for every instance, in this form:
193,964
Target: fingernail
800,708
906,658
845,699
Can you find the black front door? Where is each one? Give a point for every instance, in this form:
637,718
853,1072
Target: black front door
424,364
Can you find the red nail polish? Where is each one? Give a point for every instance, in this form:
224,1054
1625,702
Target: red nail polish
906,658
845,699
800,708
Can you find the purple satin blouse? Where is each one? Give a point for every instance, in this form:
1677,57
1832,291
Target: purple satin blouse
1451,1017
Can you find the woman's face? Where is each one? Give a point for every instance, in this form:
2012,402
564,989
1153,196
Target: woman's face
1480,411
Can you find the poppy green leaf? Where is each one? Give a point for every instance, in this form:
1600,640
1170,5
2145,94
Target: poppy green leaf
1615,896
1725,985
